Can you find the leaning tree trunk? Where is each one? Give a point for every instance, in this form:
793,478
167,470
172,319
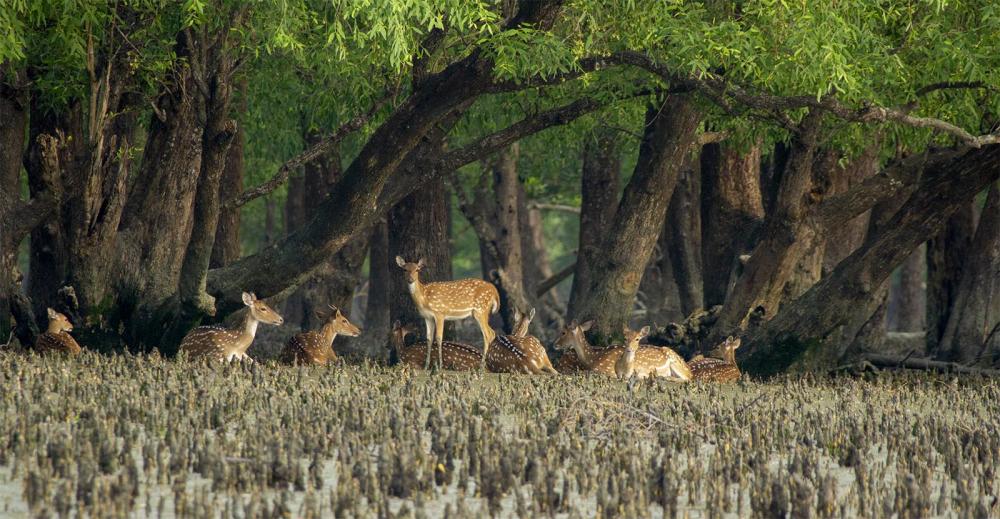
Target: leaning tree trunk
732,210
801,333
600,185
976,311
947,252
670,134
418,229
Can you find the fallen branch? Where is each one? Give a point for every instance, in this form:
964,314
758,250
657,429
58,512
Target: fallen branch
889,361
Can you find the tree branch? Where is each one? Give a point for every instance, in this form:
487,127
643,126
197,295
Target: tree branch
555,279
322,147
554,207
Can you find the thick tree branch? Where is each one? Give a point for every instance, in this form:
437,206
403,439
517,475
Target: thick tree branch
322,147
555,279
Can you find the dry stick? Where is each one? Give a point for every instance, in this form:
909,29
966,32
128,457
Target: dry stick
554,207
888,361
314,152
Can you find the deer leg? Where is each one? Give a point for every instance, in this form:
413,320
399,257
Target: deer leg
483,319
439,336
429,325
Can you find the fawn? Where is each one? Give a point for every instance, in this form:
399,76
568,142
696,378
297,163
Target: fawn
721,369
57,338
519,352
227,344
316,347
649,361
451,301
456,356
587,358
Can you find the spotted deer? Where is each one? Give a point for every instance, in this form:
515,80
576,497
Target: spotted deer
720,366
456,356
519,352
56,338
649,361
316,347
226,344
587,358
451,301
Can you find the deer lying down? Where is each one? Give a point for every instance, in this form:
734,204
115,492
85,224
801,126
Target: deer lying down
316,347
455,355
519,352
226,344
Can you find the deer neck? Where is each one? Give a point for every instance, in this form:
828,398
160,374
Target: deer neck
53,327
417,292
584,352
625,362
249,330
329,333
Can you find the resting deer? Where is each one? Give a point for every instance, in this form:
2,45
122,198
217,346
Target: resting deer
721,369
649,361
519,352
316,347
57,338
451,301
587,357
227,344
457,356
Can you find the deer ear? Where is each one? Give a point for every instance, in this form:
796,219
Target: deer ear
319,314
249,298
400,261
733,342
644,332
52,313
397,325
586,326
531,314
420,263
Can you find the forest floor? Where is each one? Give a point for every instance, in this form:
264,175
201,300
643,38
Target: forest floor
143,436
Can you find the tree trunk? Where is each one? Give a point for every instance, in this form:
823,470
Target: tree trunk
682,237
670,133
381,268
600,186
227,233
976,311
809,269
946,253
802,331
732,210
418,228
538,268
13,123
786,238
908,296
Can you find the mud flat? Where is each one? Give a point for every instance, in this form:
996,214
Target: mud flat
135,436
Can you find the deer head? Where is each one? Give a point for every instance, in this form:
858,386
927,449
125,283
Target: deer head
632,338
260,311
412,269
727,350
58,322
338,323
572,334
399,333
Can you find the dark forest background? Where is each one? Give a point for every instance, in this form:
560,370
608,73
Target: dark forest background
819,181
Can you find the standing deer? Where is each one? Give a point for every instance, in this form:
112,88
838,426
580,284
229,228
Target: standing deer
316,347
228,344
57,338
451,301
457,356
720,369
519,352
649,361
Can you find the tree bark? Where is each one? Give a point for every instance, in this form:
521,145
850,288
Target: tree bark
786,238
976,310
381,268
682,237
946,253
628,243
227,233
801,332
418,228
908,296
506,222
600,186
13,123
732,210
